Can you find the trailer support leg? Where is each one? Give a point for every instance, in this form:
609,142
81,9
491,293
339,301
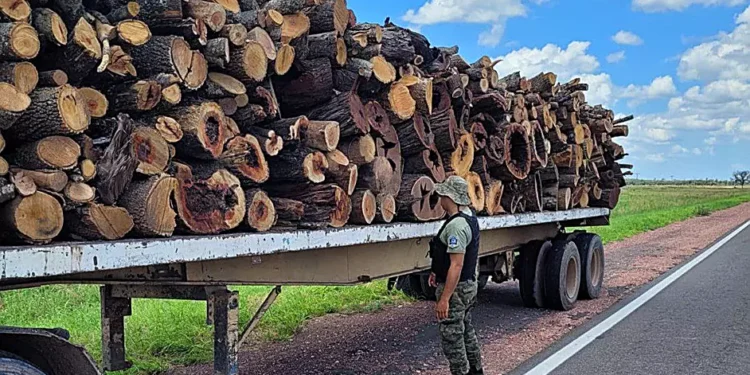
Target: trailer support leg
226,331
270,299
113,313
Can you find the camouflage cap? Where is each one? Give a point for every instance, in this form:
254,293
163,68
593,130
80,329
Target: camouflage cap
456,189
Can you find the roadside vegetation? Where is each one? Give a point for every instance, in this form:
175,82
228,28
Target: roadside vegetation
164,333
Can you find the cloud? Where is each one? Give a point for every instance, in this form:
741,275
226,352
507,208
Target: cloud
710,141
492,37
616,57
658,88
565,62
697,151
726,57
680,5
677,149
491,12
656,158
627,38
471,11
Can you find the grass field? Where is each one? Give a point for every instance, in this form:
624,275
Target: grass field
162,333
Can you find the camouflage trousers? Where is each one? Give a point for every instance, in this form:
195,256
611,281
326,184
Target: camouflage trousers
459,340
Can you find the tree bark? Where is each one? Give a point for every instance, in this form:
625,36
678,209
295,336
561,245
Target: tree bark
325,204
35,219
416,201
364,207
311,86
54,152
204,130
53,111
148,201
386,208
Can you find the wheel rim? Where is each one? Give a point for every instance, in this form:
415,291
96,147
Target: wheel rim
571,278
596,268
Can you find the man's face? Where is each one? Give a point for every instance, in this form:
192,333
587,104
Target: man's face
446,203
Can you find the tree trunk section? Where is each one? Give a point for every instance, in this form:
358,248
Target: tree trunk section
149,203
98,222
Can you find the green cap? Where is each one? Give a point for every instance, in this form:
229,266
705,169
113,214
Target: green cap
456,189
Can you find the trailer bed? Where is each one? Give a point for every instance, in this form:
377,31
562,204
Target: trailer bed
69,258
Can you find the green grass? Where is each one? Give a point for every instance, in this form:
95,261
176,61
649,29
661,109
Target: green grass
164,333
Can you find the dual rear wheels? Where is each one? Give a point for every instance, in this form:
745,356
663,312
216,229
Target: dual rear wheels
555,274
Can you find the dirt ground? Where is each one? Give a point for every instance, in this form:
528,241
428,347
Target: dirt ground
403,339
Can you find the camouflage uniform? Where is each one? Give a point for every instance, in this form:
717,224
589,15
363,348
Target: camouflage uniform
459,340
460,344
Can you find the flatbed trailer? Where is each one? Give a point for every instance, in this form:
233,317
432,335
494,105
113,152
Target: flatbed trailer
201,268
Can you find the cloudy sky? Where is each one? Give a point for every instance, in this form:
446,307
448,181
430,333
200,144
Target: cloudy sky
682,67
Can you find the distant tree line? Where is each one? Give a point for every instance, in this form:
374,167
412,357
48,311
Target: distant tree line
739,178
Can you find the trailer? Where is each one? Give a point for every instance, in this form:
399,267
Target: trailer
554,267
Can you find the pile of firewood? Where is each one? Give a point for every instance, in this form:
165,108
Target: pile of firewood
157,117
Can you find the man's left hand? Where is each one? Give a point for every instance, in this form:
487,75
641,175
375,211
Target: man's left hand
441,309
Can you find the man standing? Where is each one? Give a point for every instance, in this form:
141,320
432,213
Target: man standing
454,252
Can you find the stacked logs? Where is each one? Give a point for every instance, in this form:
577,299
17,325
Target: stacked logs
158,117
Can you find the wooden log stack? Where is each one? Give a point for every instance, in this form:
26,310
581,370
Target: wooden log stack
156,117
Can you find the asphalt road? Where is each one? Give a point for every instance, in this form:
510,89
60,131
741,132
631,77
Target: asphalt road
700,324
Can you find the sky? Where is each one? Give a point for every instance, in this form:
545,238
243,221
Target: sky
682,67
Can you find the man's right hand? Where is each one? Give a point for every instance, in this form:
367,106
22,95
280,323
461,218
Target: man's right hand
432,280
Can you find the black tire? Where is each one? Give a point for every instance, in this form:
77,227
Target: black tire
11,364
531,283
482,281
592,265
416,286
562,276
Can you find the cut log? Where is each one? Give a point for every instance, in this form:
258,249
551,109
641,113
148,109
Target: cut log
376,176
260,35
52,78
444,127
23,75
399,103
98,222
330,15
364,207
209,201
235,33
213,14
15,10
204,130
4,166
310,86
84,48
493,198
427,162
34,219
160,9
96,103
219,85
347,109
539,149
359,149
192,30
325,205
341,171
458,162
543,82
140,96
298,164
415,135
150,150
619,131
531,188
476,191
170,55
54,152
518,162
128,10
417,200
77,193
133,32
149,203
7,190
285,56
421,92
19,41
24,185
294,26
327,45
229,5
216,52
386,208
480,136
13,103
609,198
321,135
266,98
52,180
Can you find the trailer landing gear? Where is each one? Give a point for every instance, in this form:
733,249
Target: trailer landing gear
222,312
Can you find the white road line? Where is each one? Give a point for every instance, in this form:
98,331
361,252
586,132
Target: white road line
558,358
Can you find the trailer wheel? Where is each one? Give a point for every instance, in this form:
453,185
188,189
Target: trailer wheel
531,282
11,364
482,281
416,285
592,265
562,278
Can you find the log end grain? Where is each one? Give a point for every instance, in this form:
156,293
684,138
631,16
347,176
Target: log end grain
261,212
96,103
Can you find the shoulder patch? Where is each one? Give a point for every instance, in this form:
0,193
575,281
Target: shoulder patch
452,241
